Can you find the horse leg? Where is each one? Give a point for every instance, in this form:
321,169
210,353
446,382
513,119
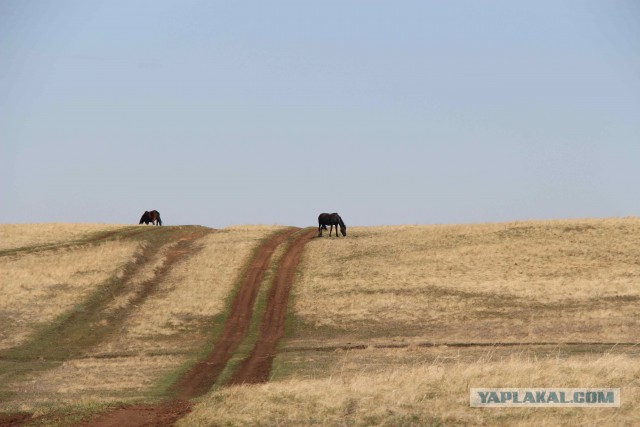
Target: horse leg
319,230
330,230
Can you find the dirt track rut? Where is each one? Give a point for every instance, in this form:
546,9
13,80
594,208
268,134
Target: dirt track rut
203,375
257,367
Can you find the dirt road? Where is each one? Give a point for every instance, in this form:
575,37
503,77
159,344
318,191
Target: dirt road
257,366
203,375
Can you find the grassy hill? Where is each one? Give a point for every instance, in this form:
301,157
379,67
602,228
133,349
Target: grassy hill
391,325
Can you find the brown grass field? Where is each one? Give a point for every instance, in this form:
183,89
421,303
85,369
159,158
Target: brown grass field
389,326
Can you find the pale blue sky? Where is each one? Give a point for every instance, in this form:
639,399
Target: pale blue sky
388,112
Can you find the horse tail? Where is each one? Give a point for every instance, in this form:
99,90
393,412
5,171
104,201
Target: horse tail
159,220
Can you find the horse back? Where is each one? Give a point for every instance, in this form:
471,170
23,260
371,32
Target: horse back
328,218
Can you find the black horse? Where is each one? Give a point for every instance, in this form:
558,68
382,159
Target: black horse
332,220
152,217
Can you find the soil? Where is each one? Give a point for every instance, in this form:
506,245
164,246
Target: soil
17,419
161,415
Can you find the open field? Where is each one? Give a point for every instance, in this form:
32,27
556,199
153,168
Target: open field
520,282
389,326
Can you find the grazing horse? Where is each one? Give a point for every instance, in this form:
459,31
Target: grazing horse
152,217
332,220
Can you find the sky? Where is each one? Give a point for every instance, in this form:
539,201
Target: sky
270,112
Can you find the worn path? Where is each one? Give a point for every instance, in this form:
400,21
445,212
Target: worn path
203,375
257,367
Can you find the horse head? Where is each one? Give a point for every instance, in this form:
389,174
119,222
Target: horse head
343,226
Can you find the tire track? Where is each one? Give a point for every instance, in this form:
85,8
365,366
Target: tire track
257,367
203,375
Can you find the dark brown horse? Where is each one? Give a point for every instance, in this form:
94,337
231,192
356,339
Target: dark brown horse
152,217
332,220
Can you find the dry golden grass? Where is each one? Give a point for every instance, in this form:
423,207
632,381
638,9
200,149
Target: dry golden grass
38,287
90,381
434,393
13,236
526,281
